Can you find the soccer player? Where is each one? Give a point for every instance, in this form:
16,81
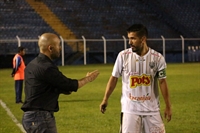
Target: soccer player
18,73
43,85
141,68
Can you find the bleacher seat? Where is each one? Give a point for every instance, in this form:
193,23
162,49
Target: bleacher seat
108,18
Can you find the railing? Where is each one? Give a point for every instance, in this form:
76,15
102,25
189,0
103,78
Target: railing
193,42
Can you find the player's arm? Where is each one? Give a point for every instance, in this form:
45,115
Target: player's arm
18,63
16,66
109,89
165,94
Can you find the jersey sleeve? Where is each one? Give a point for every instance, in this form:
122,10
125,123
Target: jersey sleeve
117,69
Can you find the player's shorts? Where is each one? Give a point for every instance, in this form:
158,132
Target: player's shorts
132,123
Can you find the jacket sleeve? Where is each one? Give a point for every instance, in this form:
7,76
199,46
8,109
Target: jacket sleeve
60,82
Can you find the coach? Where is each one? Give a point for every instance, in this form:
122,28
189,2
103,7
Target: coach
43,85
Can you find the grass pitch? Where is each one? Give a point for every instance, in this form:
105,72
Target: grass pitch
79,112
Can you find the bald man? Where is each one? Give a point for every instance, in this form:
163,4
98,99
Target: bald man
43,85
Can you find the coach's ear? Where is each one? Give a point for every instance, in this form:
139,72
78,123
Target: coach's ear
50,48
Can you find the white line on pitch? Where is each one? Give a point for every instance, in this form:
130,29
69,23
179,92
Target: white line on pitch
12,116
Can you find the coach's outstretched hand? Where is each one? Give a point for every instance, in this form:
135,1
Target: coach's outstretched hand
90,76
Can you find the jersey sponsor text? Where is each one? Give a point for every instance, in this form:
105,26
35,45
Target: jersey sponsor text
140,80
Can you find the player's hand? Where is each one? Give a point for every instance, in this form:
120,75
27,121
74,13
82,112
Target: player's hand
103,106
92,75
168,114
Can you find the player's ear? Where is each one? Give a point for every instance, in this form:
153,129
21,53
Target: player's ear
144,38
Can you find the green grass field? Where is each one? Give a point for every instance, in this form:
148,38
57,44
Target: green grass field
79,112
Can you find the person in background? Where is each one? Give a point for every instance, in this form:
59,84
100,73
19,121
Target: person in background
197,54
193,53
43,85
189,54
141,69
18,73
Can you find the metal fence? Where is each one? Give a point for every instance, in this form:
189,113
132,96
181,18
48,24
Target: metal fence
173,49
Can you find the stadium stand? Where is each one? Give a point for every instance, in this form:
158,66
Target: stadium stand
94,19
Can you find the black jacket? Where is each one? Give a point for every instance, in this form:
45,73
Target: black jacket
43,85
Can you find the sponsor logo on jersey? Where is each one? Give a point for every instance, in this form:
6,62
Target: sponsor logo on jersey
144,80
139,98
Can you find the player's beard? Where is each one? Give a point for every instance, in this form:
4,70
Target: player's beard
134,49
137,49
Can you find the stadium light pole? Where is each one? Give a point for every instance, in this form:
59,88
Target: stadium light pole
183,44
19,41
84,50
163,46
104,49
125,42
63,55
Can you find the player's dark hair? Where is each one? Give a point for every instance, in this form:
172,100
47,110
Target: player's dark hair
140,30
20,48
